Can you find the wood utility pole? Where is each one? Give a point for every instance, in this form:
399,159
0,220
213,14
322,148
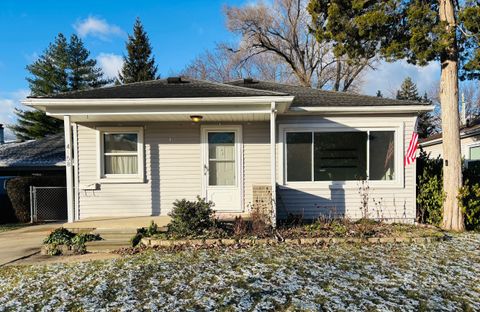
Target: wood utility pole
452,167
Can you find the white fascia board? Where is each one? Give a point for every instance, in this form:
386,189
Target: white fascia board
45,102
363,109
199,112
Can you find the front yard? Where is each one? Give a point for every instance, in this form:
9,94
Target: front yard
437,276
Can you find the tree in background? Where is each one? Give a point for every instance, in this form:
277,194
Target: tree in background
64,66
426,124
280,32
139,64
419,32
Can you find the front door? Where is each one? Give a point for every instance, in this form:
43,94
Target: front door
222,167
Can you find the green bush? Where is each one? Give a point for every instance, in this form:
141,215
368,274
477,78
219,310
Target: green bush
430,195
151,230
62,236
190,218
469,197
18,190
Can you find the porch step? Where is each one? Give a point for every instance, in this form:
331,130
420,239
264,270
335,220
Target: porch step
104,246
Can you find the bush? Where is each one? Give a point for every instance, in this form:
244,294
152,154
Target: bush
18,190
469,198
190,218
430,195
62,236
145,232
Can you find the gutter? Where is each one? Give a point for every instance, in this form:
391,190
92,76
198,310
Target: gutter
363,109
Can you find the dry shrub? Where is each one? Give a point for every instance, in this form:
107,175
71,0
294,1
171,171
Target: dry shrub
240,226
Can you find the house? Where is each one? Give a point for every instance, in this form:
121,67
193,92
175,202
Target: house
44,156
469,142
133,149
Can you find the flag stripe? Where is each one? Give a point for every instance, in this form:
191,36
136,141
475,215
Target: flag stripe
411,150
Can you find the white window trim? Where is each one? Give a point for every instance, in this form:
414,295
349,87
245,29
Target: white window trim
120,178
397,127
467,153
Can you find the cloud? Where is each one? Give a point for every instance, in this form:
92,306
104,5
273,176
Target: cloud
8,102
97,27
389,76
110,64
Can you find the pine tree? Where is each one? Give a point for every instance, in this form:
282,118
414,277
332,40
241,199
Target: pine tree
62,67
418,32
379,94
426,121
139,64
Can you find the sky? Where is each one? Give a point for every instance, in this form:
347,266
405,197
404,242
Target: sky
178,32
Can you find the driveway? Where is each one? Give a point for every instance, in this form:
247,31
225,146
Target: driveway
23,242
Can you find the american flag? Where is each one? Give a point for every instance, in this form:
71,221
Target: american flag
412,148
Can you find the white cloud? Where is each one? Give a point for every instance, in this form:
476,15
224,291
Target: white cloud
110,64
8,102
389,76
97,27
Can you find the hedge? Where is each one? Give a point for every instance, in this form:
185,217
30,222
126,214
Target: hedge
18,190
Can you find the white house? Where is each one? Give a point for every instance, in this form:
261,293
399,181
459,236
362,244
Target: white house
469,142
133,149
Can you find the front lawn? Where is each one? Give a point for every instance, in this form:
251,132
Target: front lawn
394,277
12,226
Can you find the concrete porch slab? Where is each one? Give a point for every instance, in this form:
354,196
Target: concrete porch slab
117,225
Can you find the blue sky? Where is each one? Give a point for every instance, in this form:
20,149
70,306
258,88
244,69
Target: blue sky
178,31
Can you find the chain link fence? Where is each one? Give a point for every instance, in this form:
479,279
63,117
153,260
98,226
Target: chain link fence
48,203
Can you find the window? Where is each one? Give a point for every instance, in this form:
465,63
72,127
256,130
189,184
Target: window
221,158
121,154
340,156
474,153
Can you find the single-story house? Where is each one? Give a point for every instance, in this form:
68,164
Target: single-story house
133,149
45,156
469,142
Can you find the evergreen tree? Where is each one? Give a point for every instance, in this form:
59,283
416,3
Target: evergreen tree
426,125
62,67
379,94
139,64
418,32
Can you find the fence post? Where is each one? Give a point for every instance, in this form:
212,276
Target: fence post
31,204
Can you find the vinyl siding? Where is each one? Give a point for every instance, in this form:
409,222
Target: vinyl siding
173,169
436,150
394,203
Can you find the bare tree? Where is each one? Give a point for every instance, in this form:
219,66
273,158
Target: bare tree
282,29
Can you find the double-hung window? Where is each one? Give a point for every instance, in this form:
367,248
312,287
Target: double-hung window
334,155
121,154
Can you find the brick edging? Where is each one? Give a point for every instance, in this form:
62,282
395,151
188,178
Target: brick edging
152,242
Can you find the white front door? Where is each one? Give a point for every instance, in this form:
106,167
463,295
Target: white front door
222,179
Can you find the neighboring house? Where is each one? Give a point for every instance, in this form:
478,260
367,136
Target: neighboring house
138,147
44,156
469,141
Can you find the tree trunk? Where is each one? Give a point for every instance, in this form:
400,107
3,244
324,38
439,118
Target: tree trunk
452,169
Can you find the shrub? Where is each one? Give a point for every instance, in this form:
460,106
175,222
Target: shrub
430,195
190,218
469,198
18,190
151,230
261,221
62,236
240,226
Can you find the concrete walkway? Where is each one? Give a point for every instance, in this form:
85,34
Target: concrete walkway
117,225
23,242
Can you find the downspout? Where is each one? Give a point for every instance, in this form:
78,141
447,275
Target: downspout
68,167
273,163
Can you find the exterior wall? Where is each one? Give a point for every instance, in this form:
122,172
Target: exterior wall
173,169
396,203
436,149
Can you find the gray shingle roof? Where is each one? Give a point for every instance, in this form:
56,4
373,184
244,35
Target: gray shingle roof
165,88
45,152
305,96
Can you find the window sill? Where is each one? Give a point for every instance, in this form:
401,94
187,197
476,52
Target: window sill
342,185
121,180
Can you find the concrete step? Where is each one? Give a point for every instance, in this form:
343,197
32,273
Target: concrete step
106,246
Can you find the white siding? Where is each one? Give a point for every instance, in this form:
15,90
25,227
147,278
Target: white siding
173,169
394,203
436,150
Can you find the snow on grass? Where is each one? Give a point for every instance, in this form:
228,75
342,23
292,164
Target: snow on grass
392,277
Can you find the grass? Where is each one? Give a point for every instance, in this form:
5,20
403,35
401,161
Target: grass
12,226
441,276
